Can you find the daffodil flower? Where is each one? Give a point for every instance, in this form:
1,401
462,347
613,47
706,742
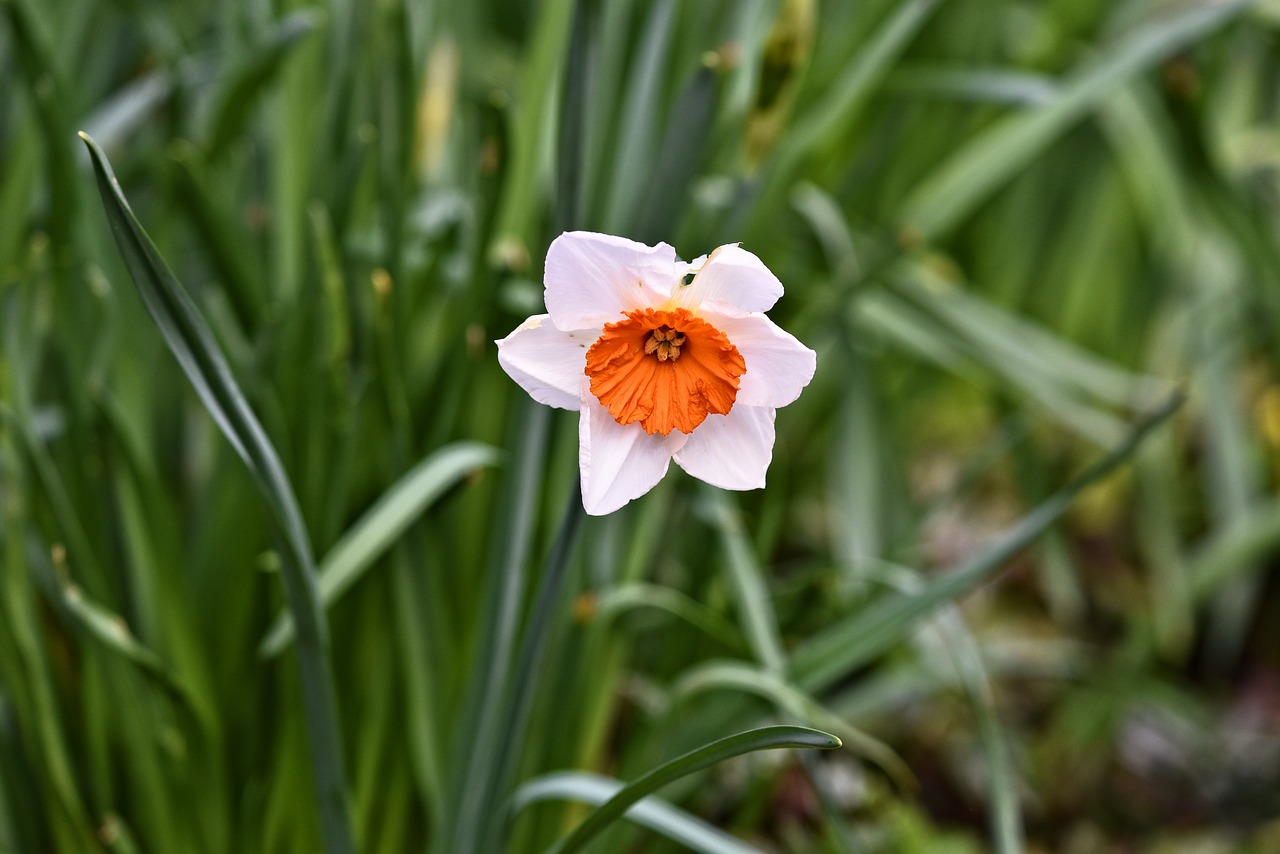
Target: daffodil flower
663,360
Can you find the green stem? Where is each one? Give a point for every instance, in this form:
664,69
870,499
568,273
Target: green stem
550,592
320,704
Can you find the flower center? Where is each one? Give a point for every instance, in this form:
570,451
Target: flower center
666,342
667,370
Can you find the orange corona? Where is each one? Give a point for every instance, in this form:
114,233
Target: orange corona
667,370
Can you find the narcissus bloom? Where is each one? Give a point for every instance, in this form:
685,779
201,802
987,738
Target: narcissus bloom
663,359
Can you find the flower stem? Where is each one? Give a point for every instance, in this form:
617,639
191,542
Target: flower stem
546,605
320,705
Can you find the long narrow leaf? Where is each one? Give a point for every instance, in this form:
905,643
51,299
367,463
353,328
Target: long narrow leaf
375,532
855,641
759,622
113,633
765,738
989,159
747,678
653,813
193,345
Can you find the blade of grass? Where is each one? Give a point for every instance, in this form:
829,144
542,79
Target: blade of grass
971,672
629,597
224,238
517,704
682,148
1006,820
740,676
115,121
193,345
8,827
989,159
1234,550
379,528
501,706
760,623
518,206
638,120
1227,554
547,603
20,166
1010,86
1173,614
50,93
856,640
842,104
653,813
234,102
110,630
765,738
857,471
25,665
484,710
1230,467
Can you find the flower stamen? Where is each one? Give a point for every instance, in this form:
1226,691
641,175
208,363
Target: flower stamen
666,342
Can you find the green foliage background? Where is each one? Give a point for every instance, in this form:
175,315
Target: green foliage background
1011,229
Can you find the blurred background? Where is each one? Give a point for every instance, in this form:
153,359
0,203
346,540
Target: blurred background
1011,229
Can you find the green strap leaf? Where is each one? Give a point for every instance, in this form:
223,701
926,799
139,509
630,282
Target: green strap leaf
855,641
991,158
379,528
244,83
750,679
653,813
765,738
193,345
109,629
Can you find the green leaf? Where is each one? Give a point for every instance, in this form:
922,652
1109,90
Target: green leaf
990,158
637,116
638,595
547,45
653,813
957,643
485,711
765,738
379,528
131,107
50,94
244,83
193,345
759,622
982,85
683,148
868,632
740,676
843,101
113,632
1234,549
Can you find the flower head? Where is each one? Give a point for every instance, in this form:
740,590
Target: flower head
663,359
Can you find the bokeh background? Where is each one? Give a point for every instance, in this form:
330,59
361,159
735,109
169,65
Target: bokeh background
1012,229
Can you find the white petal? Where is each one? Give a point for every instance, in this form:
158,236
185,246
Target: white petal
547,362
731,451
732,281
618,462
778,365
592,279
